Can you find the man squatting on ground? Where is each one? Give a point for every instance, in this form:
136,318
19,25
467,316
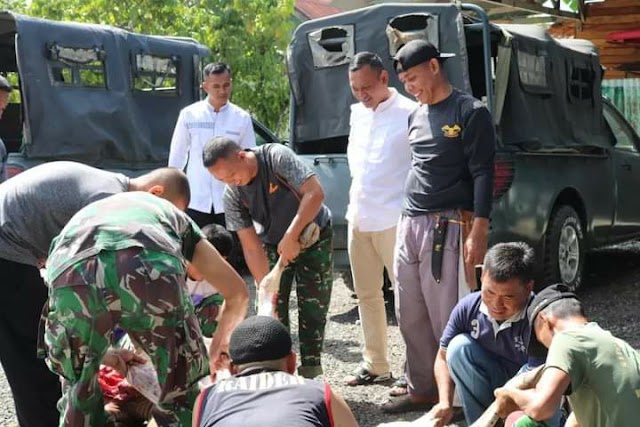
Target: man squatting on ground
263,391
379,160
34,206
452,143
487,339
599,372
121,262
271,196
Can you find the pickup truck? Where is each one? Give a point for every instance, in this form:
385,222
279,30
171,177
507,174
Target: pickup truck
96,94
567,166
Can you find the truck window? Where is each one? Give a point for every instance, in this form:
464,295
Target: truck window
155,74
581,81
79,67
331,46
533,70
620,129
404,28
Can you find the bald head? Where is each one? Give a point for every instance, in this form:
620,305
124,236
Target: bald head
169,183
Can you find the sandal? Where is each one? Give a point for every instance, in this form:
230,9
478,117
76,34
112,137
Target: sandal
362,376
405,404
399,387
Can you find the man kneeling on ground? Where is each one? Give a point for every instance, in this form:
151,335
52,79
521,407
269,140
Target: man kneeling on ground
486,339
263,392
599,372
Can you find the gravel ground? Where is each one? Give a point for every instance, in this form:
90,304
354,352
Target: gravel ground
611,293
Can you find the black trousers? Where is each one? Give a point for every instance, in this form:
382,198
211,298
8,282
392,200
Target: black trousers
203,218
35,388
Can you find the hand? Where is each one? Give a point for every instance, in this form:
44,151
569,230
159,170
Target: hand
504,403
218,354
120,360
288,248
439,415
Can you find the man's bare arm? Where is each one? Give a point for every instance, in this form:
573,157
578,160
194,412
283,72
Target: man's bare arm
254,254
540,402
232,288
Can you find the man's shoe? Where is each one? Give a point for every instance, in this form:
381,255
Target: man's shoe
362,376
399,387
405,404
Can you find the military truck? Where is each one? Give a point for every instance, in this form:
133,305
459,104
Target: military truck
96,94
567,165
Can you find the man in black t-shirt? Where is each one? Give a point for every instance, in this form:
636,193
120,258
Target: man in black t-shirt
263,390
443,230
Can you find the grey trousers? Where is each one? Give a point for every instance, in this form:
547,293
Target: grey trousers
423,306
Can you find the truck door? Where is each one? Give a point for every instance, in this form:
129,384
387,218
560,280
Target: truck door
626,161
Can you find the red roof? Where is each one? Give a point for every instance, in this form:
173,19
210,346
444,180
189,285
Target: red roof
632,36
313,9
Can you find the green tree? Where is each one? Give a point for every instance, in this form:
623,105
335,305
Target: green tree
250,35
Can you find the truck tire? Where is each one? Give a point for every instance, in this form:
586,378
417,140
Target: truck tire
564,248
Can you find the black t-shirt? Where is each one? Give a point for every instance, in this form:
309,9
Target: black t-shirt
453,149
264,398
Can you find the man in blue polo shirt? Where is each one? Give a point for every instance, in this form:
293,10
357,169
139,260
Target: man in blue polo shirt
486,340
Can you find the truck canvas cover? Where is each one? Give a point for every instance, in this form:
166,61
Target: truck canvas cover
125,89
320,51
547,91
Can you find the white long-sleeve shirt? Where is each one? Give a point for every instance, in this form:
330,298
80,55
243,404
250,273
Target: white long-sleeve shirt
196,125
379,160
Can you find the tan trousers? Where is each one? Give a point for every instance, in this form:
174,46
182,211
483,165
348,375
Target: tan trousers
369,254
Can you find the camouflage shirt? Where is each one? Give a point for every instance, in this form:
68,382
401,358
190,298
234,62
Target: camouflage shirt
133,219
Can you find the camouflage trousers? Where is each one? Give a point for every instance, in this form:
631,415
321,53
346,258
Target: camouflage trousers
144,293
312,271
207,312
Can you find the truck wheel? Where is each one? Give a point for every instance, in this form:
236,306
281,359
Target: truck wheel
564,248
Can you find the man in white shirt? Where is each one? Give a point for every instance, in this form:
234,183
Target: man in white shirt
379,160
197,124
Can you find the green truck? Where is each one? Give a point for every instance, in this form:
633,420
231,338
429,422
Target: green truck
567,167
96,94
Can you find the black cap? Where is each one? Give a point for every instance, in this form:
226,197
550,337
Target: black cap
415,53
541,301
259,339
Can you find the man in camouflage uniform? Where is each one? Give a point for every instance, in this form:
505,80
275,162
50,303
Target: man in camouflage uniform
271,196
121,262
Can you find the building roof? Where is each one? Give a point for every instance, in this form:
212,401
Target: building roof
313,9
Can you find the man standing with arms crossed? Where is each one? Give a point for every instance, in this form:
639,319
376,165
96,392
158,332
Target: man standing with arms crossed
197,124
449,188
379,160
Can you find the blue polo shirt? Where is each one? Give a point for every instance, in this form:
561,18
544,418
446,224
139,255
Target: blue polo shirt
508,340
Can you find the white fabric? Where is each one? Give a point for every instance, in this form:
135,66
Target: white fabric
379,160
200,288
196,125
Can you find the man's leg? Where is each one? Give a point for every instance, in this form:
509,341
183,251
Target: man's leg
158,315
367,267
314,281
207,312
476,374
411,311
78,333
35,389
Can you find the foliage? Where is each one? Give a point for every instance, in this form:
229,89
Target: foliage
250,35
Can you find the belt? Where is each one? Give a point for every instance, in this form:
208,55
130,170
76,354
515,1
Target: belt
456,221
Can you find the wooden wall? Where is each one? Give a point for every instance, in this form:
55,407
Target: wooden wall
602,19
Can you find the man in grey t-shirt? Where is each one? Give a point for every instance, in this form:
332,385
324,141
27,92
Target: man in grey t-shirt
271,196
34,207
